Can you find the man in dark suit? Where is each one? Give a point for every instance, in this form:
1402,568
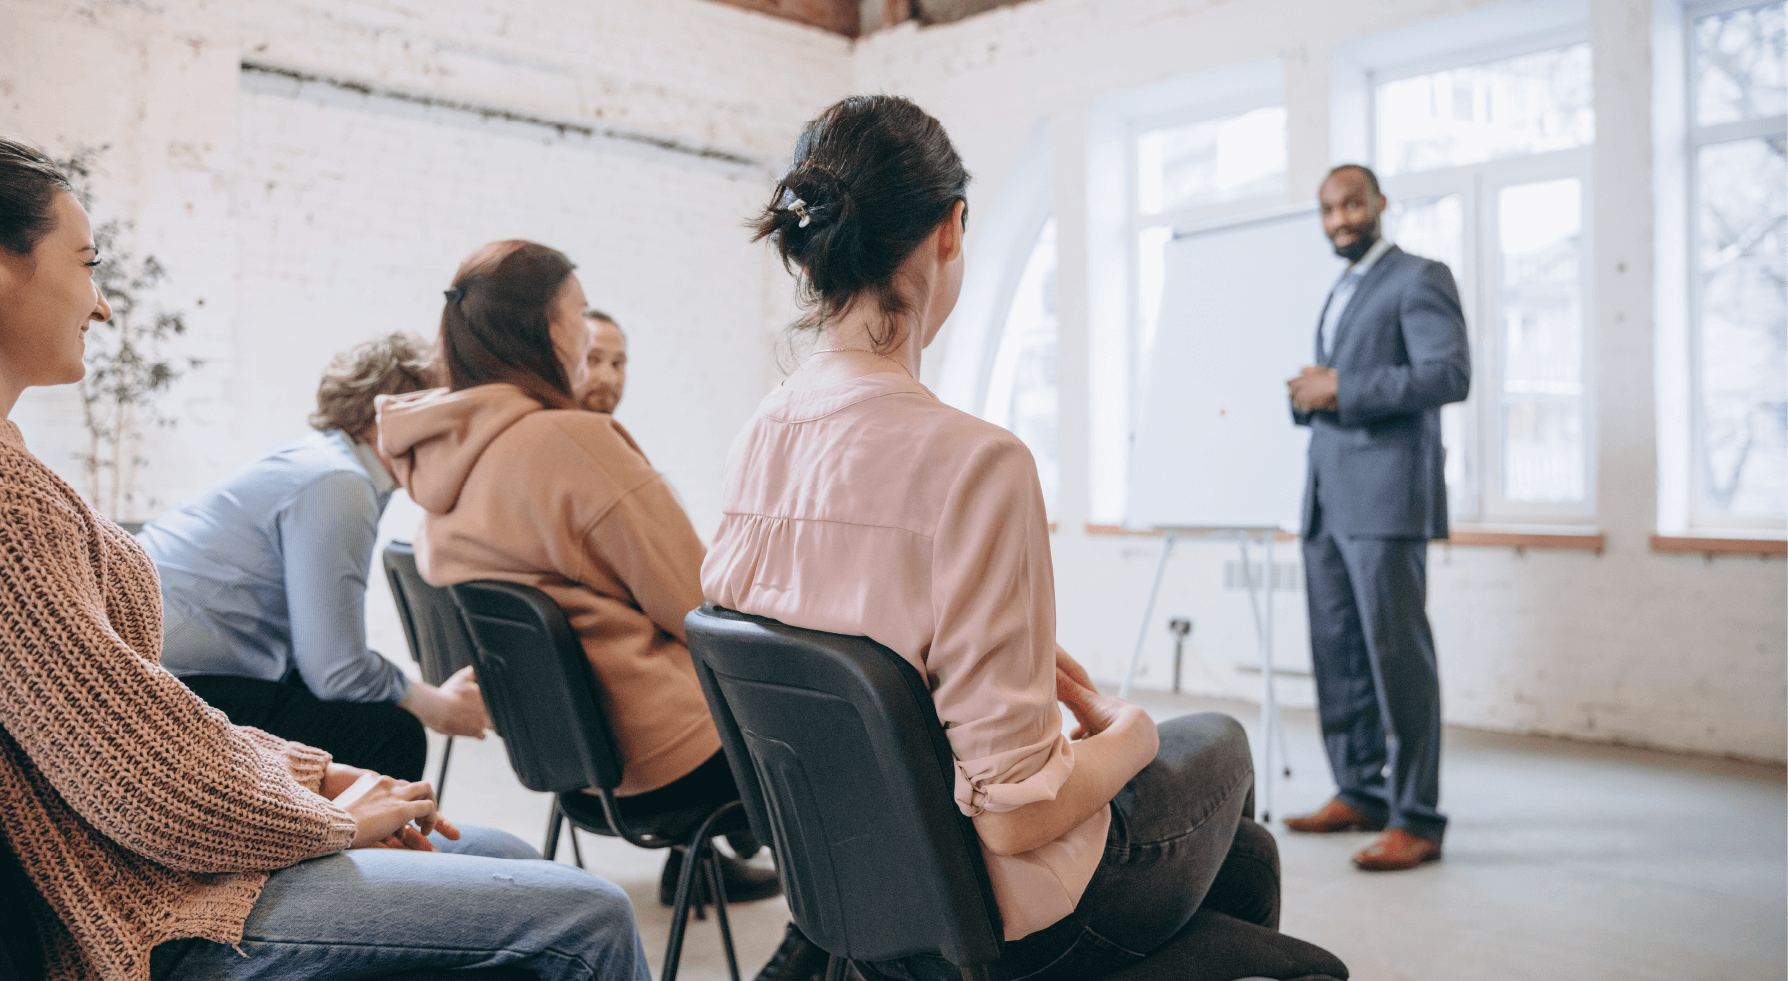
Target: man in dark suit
1390,351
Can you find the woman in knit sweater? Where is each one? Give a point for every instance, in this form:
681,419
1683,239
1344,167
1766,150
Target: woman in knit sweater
149,836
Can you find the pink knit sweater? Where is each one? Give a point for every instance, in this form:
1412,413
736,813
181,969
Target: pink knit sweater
140,813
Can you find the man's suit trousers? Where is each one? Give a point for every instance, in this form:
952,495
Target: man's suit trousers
1377,684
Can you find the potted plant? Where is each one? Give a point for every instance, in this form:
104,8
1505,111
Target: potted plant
128,369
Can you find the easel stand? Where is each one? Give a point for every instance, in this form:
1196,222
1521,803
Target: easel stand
1272,730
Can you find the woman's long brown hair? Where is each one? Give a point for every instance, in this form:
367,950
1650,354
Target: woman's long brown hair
498,329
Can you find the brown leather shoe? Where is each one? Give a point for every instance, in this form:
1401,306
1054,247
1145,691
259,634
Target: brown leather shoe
1333,816
1396,850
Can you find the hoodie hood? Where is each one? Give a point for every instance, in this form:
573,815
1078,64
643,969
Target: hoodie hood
434,438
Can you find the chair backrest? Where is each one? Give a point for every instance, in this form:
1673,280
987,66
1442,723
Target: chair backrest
543,698
21,952
437,638
843,767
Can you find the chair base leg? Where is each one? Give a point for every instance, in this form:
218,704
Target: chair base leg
699,857
441,775
726,929
554,819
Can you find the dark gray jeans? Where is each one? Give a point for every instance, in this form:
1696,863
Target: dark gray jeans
1182,839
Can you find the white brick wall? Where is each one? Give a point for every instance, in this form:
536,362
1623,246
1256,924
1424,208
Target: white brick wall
296,224
297,220
351,221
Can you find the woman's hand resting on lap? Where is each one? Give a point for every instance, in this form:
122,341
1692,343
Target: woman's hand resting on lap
388,813
1065,664
1119,740
1095,712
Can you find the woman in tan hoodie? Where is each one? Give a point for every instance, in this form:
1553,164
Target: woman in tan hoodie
521,485
144,836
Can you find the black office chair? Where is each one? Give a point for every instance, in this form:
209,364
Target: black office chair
21,956
844,768
547,704
438,641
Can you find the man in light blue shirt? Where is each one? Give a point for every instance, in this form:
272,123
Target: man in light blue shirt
263,583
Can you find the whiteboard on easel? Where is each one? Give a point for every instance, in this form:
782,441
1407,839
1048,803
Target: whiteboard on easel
1215,445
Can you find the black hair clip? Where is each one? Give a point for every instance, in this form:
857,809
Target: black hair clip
454,294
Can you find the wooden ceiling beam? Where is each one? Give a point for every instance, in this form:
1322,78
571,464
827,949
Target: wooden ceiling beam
837,16
855,18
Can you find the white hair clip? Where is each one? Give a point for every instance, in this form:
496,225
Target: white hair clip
799,207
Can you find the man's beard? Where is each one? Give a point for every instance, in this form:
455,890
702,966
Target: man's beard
601,398
1362,244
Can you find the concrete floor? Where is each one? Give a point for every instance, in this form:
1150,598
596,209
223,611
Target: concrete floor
1564,860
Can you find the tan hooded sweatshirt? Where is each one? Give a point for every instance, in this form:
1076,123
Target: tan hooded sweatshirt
564,501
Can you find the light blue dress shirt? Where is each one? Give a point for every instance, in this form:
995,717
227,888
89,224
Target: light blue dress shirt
266,573
1343,292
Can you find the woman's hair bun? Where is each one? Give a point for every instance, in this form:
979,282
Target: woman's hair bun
872,177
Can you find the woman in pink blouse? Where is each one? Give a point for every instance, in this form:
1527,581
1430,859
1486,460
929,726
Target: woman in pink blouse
857,503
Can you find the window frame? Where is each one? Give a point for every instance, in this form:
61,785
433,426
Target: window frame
1484,501
1695,138
1113,398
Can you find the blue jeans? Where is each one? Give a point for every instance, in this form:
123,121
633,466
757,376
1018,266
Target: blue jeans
1180,841
488,902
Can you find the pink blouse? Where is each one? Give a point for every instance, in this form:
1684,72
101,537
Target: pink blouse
871,508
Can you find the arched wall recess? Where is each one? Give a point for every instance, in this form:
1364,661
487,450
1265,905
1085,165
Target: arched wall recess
1008,229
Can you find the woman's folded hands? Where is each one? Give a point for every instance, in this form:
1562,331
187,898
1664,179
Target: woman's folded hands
387,812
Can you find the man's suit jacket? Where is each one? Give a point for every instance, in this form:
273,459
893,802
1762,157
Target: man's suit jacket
1376,464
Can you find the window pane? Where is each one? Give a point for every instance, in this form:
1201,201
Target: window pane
1739,63
1542,452
1456,449
1540,227
1435,228
1021,392
1212,161
1743,327
1533,103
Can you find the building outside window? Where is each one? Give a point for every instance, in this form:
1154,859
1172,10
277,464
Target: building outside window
1486,166
1738,261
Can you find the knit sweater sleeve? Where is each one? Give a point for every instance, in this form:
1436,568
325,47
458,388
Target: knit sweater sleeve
132,750
307,764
